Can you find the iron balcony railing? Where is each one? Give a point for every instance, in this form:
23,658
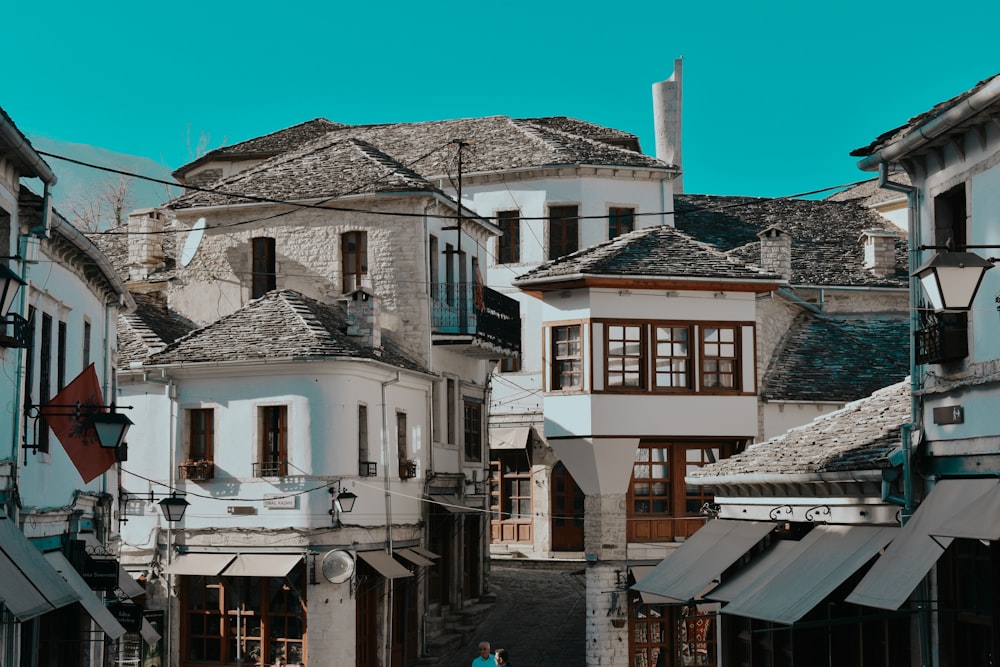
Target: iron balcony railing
270,469
943,338
13,331
472,309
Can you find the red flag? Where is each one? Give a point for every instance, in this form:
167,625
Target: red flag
73,426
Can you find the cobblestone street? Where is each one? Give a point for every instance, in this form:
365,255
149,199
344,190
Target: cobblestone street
539,616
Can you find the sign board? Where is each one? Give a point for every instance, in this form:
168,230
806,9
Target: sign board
279,501
950,414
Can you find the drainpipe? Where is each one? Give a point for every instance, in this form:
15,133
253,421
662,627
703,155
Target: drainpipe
388,520
912,202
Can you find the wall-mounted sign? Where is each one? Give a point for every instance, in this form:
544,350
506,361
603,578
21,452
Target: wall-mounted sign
950,414
279,501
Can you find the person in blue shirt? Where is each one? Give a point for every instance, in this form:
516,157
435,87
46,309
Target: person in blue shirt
485,658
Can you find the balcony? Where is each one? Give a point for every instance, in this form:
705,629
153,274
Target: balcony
273,468
407,469
197,471
483,322
367,468
942,338
13,331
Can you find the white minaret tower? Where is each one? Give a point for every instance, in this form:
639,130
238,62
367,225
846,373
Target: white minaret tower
667,121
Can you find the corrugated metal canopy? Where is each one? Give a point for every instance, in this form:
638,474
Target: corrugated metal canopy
697,564
806,575
914,552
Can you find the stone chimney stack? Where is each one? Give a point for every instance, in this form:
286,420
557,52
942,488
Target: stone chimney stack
363,317
880,251
776,252
145,243
667,120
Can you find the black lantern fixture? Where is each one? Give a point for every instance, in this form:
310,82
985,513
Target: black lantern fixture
10,284
951,279
343,502
173,508
111,428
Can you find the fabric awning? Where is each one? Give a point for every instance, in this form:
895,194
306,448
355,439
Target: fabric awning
130,587
262,565
510,438
697,564
149,633
914,552
425,553
88,599
384,564
204,564
806,575
29,587
413,557
767,564
640,572
979,520
452,504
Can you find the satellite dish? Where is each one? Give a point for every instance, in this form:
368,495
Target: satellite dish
337,566
192,241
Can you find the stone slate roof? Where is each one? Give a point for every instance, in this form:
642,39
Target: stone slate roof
149,329
894,135
838,358
279,325
268,145
329,167
868,193
660,251
494,143
826,250
859,436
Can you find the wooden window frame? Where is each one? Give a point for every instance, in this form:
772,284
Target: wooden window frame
509,471
353,259
621,220
472,424
509,244
44,377
402,444
273,440
670,510
713,361
672,359
201,429
628,365
564,230
562,360
263,272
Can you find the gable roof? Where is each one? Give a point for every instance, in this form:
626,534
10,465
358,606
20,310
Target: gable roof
653,252
327,168
868,193
859,436
265,146
148,329
279,325
933,127
825,235
838,357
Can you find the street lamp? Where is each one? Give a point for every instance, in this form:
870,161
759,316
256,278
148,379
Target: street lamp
10,283
951,279
111,428
343,501
173,508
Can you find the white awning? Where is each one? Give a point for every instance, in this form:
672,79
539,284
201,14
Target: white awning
262,565
413,557
29,587
640,572
204,564
88,598
425,553
806,575
149,634
510,438
697,564
979,520
912,554
768,563
384,564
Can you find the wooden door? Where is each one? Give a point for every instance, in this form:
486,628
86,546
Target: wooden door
567,511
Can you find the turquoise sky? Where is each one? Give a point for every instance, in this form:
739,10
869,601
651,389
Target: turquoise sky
776,94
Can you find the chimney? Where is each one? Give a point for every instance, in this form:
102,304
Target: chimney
776,252
145,243
880,251
667,121
363,315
